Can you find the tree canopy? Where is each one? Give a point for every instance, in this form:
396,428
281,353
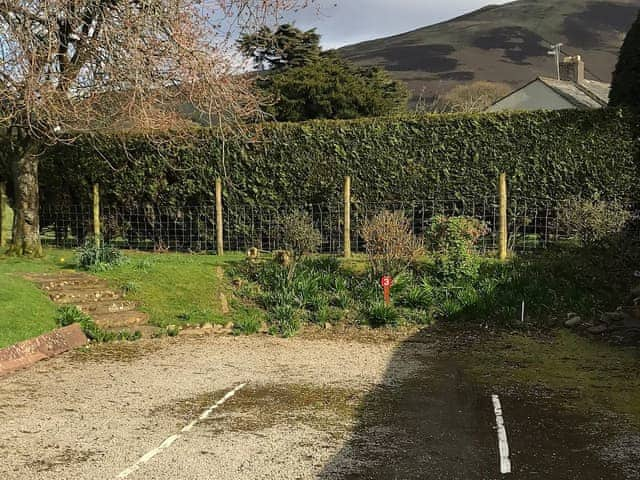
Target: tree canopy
625,87
332,88
287,46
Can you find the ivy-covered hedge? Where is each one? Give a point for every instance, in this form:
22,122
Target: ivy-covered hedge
546,154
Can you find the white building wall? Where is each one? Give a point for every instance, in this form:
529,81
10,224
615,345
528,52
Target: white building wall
535,96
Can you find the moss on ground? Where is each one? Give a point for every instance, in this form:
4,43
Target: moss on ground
258,407
588,373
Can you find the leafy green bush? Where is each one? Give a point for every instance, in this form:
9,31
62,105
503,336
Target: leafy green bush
453,239
549,155
453,234
94,255
299,235
390,243
380,314
593,222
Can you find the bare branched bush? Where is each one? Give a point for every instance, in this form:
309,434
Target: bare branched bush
593,222
465,98
390,243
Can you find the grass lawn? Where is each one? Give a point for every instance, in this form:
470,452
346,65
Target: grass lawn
175,288
172,288
26,311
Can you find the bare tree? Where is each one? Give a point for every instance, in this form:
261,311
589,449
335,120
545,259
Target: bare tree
466,98
74,67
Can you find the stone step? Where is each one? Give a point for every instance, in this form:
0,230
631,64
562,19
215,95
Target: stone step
109,306
147,331
84,284
84,296
120,319
59,277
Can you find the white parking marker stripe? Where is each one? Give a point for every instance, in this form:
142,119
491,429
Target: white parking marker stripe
169,441
503,444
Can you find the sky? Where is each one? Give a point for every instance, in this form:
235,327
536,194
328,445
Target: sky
343,22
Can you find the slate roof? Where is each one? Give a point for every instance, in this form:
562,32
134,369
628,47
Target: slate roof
586,95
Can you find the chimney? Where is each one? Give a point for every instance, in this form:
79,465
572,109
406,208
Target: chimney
572,69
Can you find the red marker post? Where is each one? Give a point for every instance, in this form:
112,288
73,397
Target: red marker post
387,283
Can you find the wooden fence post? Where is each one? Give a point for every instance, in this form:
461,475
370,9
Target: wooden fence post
96,214
347,217
219,232
3,207
504,226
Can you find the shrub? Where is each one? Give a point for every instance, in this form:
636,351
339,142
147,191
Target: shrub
380,314
299,235
94,255
390,244
593,222
285,321
447,234
453,239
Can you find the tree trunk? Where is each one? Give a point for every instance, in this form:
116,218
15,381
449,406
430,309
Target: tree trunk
26,220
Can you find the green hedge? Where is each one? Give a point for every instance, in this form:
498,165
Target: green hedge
546,154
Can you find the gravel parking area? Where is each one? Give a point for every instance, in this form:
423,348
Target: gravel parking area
319,406
93,414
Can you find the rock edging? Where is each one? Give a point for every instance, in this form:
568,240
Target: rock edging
28,352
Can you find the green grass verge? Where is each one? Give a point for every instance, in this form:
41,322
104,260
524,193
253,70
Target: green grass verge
175,288
25,310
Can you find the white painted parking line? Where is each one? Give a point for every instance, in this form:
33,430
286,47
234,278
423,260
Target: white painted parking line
503,445
169,441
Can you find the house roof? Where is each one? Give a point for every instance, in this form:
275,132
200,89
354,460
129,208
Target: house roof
586,95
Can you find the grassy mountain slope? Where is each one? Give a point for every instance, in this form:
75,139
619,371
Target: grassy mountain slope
503,43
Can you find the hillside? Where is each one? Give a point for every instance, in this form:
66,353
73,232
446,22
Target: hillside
504,43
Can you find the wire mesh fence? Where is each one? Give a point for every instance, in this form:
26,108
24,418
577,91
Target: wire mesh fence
532,224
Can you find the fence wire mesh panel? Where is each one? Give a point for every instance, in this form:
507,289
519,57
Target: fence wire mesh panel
532,224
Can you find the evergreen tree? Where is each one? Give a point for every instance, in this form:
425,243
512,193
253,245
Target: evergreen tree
287,46
625,88
332,88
